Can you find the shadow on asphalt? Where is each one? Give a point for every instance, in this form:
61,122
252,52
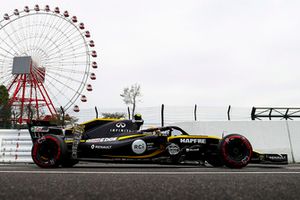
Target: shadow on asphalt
94,165
166,166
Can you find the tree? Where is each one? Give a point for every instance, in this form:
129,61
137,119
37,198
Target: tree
62,119
131,96
116,115
5,109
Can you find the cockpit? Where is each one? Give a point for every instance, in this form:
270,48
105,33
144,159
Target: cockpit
164,131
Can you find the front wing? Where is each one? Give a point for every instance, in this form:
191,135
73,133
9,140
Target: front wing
269,158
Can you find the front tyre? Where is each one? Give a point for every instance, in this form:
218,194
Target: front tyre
236,151
49,151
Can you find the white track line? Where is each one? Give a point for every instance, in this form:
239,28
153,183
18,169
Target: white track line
293,168
146,173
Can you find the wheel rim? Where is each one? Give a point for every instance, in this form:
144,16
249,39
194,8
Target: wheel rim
46,152
237,150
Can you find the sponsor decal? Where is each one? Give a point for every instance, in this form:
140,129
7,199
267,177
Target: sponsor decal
173,149
193,140
192,150
101,140
138,146
276,157
77,133
151,146
100,147
118,130
40,129
120,125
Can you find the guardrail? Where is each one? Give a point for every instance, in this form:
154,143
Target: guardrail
15,146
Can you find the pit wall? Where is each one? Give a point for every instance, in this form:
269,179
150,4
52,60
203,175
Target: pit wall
265,136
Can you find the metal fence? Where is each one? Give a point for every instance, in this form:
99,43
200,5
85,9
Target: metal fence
167,114
155,115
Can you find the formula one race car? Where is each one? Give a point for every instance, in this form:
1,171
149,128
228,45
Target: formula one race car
104,140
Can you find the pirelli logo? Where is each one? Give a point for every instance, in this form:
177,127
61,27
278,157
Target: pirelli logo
193,141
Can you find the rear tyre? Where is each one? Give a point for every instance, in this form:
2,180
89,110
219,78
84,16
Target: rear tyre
236,151
49,151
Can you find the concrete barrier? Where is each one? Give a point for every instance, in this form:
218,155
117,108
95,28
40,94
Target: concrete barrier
294,130
265,136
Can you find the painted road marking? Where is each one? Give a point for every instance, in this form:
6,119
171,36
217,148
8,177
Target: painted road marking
293,167
147,173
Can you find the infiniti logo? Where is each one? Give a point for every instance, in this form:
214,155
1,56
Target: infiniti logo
120,125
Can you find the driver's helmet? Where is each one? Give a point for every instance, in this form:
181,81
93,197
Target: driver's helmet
137,119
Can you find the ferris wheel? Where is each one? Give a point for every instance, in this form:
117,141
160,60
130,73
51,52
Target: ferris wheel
46,60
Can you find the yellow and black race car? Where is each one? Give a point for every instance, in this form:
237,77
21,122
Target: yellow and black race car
104,140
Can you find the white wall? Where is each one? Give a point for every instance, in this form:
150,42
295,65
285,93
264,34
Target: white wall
265,136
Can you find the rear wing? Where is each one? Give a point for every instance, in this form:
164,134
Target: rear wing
38,129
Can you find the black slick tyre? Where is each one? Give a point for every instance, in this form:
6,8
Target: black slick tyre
236,151
49,151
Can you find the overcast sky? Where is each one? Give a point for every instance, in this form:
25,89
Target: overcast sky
205,52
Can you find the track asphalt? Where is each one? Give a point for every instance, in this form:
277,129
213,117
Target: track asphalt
149,181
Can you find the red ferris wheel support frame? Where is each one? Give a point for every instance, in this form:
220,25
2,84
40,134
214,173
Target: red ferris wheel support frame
38,98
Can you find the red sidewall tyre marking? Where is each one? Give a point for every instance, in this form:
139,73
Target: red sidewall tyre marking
226,157
38,144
